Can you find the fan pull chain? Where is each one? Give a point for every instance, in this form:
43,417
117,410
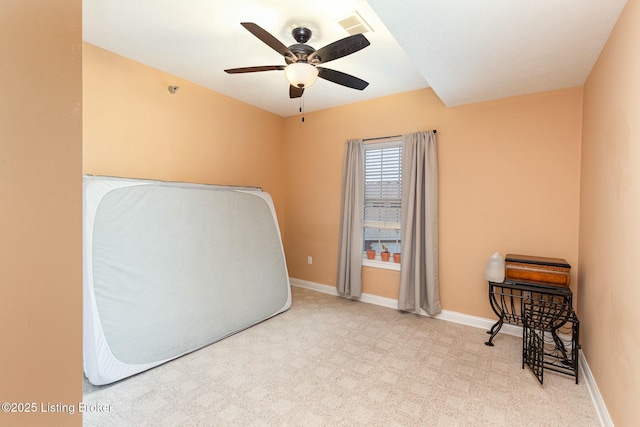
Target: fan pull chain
302,106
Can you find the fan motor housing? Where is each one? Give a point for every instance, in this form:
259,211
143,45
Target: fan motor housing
301,50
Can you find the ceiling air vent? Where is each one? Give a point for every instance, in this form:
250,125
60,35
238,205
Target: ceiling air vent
355,24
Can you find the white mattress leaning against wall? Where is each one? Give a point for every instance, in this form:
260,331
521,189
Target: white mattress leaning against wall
172,267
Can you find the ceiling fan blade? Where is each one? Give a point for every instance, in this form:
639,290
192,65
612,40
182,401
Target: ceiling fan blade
269,40
341,78
295,92
340,48
254,69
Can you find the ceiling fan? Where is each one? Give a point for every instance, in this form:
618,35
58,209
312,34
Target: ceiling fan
303,60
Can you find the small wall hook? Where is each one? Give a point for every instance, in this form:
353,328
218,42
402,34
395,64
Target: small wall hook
173,89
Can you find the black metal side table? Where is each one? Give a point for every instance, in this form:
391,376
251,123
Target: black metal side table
550,338
550,326
507,301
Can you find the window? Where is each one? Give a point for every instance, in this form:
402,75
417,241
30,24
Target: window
382,195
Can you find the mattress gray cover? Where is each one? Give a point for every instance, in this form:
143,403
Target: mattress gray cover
175,267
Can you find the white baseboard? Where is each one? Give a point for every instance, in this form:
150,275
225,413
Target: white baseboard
450,316
325,289
594,392
477,322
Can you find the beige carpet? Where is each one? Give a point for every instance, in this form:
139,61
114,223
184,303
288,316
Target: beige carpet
329,361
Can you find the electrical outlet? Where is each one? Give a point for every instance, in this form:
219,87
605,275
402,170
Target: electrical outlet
309,260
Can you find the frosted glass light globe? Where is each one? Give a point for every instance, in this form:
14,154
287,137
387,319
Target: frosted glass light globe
300,74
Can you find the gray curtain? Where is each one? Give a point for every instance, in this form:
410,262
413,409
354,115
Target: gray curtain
349,283
419,286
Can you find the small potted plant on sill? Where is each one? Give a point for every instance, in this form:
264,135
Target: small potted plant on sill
396,257
385,253
371,253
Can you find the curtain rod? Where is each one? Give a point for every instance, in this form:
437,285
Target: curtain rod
391,136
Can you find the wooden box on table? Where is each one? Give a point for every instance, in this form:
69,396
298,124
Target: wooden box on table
536,269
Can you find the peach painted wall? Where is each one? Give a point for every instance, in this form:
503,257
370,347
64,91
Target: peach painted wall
133,127
610,220
509,182
41,209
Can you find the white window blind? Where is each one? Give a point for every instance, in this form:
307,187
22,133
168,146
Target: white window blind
382,195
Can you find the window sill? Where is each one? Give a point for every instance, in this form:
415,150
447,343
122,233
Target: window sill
378,263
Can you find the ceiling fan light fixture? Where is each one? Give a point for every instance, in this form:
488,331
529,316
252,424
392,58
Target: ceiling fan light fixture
301,74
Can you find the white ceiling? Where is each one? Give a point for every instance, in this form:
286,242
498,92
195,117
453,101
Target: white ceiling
466,50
